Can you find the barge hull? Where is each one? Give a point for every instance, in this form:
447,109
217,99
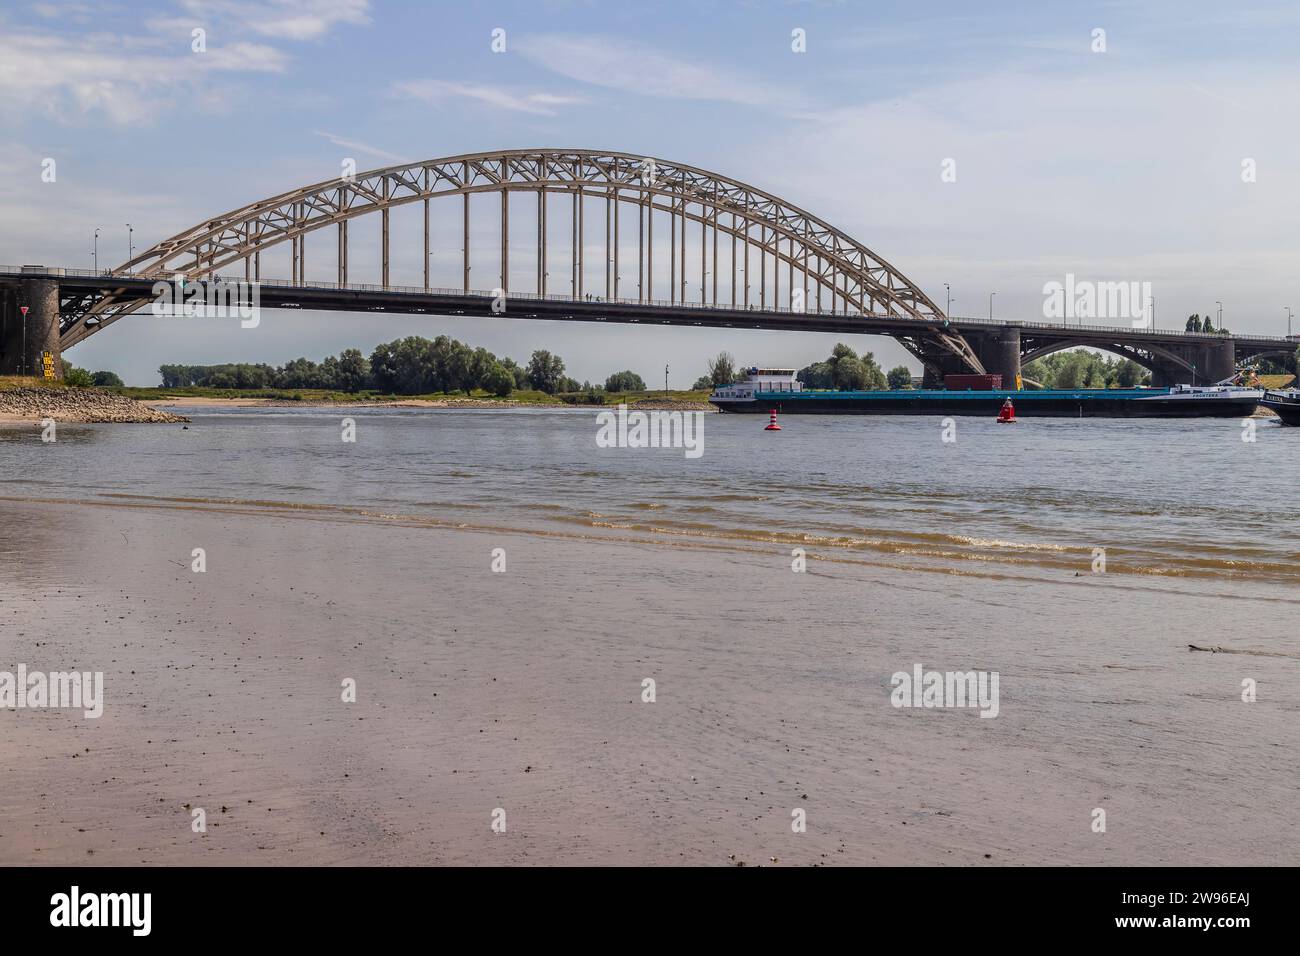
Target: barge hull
1056,404
1288,411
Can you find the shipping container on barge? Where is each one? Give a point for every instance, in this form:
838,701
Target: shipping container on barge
771,388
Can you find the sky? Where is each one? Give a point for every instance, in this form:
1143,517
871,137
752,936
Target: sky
1167,156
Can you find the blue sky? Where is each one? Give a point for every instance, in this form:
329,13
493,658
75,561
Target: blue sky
1116,165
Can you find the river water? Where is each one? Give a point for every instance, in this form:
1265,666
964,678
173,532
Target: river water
1186,503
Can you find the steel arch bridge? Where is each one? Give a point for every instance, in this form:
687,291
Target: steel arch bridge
737,257
826,271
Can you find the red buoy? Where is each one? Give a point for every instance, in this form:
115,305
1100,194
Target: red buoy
1006,414
772,426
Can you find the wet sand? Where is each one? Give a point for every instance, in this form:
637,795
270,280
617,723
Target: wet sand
522,691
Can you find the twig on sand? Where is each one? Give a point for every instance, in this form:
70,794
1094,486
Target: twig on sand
1232,650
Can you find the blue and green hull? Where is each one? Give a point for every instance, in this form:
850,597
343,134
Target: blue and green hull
1057,403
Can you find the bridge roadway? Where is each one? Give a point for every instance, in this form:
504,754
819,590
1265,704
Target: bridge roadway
1002,345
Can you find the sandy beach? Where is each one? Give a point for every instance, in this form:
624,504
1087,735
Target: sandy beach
521,691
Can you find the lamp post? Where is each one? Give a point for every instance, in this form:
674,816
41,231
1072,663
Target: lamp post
1220,305
96,253
130,245
665,379
1152,300
1288,321
991,295
947,309
23,310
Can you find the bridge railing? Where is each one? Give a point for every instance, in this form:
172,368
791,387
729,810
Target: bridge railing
592,298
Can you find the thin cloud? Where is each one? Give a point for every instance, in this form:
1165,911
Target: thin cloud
359,147
93,74
284,19
438,92
631,67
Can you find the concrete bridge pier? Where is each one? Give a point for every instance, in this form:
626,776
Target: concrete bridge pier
1162,377
1213,361
23,340
1218,360
1001,355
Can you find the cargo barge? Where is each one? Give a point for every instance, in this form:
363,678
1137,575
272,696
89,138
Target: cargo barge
1286,405
767,389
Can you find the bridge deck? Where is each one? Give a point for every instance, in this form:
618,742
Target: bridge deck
413,300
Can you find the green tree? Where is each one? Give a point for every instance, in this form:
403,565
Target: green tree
1194,322
498,380
77,377
545,372
818,375
844,370
625,382
850,374
352,370
299,373
106,380
327,373
900,376
875,375
703,383
453,366
520,374
173,376
1038,371
722,369
1071,370
1129,374
841,352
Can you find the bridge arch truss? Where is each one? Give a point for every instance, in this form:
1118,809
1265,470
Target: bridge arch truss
834,272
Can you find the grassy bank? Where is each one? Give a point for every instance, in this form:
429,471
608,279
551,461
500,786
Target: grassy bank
324,396
1276,381
8,382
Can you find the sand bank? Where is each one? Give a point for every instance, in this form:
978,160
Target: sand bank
522,691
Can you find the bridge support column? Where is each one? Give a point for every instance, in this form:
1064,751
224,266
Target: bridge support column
1167,377
1003,356
1000,352
1218,361
23,340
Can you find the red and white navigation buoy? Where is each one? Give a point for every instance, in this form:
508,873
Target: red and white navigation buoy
1007,414
772,426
